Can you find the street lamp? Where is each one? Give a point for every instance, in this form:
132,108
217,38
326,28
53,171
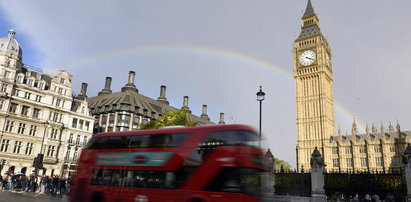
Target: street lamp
260,98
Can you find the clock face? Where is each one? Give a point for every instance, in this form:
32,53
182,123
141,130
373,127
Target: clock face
307,57
327,58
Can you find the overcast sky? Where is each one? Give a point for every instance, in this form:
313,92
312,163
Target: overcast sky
219,52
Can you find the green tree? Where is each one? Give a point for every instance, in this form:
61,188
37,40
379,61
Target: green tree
278,163
170,118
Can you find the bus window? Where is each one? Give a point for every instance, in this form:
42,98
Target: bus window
158,140
134,178
112,142
232,137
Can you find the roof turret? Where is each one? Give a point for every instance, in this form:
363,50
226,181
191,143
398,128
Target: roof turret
10,45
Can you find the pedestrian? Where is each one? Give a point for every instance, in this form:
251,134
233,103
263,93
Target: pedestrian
367,198
62,185
355,198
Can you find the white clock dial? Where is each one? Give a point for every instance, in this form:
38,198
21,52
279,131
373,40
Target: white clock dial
307,57
327,58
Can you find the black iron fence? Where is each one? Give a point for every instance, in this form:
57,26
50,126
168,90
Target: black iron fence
344,185
293,183
385,185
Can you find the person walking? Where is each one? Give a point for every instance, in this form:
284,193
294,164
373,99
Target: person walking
355,198
367,198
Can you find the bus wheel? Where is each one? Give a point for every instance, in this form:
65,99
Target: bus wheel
196,200
97,197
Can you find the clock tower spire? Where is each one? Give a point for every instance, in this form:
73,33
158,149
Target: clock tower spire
314,95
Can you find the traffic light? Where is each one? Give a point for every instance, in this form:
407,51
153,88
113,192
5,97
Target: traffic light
3,162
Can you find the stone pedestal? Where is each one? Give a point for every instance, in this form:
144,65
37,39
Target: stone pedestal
317,177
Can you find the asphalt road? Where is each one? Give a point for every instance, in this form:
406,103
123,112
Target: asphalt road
8,196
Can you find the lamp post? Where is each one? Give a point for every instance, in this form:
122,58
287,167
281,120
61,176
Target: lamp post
260,97
38,161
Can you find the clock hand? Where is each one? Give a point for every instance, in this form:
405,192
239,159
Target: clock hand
309,58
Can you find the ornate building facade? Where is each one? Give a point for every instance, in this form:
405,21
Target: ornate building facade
127,109
39,115
313,74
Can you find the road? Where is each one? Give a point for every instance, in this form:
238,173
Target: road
8,196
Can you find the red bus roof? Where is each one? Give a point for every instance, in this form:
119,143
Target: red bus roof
176,130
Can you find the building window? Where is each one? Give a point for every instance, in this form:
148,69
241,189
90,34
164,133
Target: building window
68,154
1,104
54,133
87,125
16,92
377,149
12,107
4,145
36,113
78,139
27,95
349,162
25,110
38,98
58,101
74,123
29,148
62,80
19,79
80,124
123,121
22,127
7,74
50,151
363,162
136,122
393,149
83,109
30,82
33,130
85,140
335,163
75,154
144,121
378,161
17,147
348,150
71,138
103,121
335,150
362,149
3,88
41,85
9,126
111,122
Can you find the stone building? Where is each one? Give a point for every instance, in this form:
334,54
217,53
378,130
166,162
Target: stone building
127,109
39,115
313,74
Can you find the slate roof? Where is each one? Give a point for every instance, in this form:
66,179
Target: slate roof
309,11
308,32
133,102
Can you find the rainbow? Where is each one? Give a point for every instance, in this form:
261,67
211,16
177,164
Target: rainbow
186,49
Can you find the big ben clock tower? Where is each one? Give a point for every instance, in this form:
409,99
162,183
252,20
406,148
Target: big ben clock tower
314,95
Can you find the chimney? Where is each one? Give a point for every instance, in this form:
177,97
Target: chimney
107,86
130,84
204,113
83,89
221,119
83,92
185,105
162,97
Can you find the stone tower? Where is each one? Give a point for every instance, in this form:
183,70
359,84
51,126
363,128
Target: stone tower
314,93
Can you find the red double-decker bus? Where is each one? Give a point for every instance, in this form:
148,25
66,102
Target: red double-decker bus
193,164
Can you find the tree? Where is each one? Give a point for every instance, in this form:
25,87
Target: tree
278,163
170,118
